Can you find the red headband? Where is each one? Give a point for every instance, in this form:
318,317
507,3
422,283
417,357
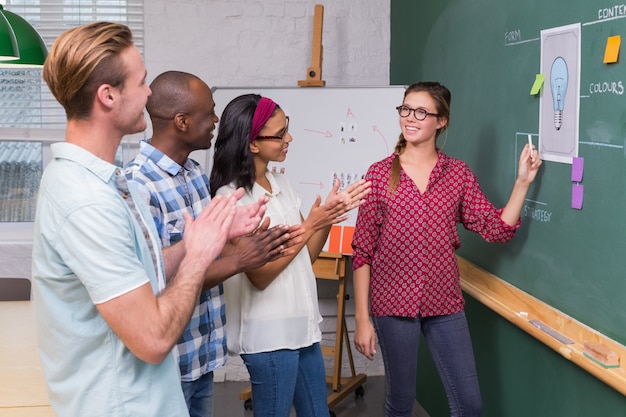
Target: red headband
262,113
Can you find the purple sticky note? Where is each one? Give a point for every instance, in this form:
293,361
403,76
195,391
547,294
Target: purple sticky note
578,166
577,196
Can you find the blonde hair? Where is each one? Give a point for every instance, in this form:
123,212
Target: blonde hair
81,60
442,97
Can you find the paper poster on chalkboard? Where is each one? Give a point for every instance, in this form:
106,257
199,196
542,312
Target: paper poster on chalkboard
559,104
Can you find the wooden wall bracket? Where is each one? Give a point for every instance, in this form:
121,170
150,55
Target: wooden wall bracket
314,72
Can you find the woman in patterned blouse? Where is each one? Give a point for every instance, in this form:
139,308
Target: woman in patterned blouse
405,271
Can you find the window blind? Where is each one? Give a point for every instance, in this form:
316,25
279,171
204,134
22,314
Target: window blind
25,101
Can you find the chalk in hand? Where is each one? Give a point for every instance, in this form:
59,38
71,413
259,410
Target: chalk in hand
530,144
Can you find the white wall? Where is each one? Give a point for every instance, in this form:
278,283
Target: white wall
268,43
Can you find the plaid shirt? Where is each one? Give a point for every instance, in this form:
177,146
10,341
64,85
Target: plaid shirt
171,190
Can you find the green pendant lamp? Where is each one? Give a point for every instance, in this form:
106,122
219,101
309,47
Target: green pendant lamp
32,49
8,43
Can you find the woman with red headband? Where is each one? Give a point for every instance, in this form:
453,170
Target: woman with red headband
272,314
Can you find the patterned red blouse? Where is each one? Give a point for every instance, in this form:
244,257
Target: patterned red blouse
409,238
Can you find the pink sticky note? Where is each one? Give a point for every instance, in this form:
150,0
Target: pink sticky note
578,166
577,196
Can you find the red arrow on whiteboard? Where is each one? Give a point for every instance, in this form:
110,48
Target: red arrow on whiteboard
319,184
375,129
326,134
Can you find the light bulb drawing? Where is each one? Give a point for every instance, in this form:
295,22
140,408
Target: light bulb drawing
558,84
559,119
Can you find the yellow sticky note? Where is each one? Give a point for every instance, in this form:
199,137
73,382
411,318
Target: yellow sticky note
612,49
539,79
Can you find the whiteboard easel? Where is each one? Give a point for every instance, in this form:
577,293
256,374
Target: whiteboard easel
337,131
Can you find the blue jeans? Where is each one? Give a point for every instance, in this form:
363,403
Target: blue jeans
449,342
199,396
285,377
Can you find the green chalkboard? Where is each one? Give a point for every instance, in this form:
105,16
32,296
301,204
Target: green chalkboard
488,52
571,259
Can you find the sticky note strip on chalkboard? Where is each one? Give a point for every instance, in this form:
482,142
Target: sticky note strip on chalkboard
578,167
611,52
539,79
577,196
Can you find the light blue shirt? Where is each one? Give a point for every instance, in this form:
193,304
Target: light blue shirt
88,248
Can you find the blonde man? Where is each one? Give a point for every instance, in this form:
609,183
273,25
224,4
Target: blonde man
106,322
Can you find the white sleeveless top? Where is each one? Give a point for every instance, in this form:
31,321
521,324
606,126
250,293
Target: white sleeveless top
285,315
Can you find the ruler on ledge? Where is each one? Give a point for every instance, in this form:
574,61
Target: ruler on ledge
549,330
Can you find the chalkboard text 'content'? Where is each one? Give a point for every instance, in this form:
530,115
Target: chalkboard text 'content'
539,215
611,12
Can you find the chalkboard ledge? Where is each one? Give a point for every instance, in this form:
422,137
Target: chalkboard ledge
522,309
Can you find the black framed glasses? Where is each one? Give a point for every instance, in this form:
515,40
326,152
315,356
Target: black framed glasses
280,138
419,113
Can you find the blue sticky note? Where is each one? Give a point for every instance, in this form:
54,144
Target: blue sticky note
578,166
577,196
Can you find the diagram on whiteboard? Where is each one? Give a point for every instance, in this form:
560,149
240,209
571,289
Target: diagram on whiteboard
338,132
559,104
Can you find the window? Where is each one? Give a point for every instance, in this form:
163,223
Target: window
20,172
25,101
30,117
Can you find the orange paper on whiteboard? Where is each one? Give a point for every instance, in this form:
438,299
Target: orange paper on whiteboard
334,239
611,52
346,240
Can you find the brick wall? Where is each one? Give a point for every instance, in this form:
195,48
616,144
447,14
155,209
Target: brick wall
268,43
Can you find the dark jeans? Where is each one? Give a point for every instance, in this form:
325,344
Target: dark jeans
285,377
449,341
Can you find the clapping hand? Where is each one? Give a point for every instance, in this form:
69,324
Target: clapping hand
248,217
266,244
337,204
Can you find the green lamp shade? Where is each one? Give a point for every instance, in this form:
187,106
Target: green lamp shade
8,43
32,49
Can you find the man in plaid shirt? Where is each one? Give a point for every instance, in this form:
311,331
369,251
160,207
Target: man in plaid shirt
183,117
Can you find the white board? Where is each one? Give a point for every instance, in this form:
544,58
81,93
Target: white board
336,131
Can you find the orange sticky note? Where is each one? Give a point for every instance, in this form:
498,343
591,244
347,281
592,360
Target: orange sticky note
334,239
612,49
346,240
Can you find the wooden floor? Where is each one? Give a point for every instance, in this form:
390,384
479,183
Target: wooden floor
23,391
